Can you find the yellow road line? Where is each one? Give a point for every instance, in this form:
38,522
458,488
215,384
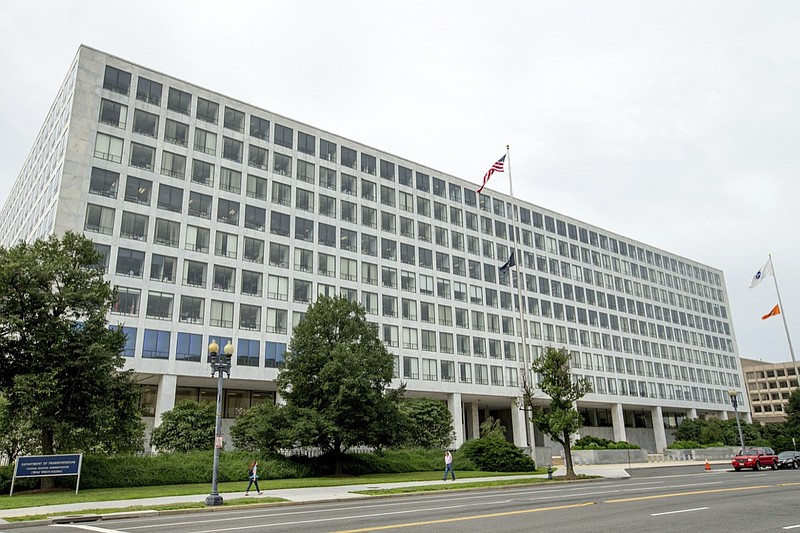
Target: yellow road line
461,519
691,493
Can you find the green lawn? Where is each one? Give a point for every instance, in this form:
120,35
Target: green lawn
32,499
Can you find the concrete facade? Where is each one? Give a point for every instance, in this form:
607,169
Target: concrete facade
221,220
769,386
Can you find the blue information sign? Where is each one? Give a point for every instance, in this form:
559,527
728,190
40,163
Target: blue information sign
48,465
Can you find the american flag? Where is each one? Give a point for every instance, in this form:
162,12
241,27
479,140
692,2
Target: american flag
497,167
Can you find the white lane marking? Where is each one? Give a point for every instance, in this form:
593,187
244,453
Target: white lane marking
88,528
680,511
791,527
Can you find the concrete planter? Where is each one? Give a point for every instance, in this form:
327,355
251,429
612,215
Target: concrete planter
701,454
608,457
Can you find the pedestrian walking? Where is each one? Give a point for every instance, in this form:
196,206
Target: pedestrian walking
448,465
252,475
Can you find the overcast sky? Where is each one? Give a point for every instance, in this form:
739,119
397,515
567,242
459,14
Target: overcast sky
673,123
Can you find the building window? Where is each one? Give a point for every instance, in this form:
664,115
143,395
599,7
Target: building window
205,141
159,305
207,111
148,91
134,226
326,234
348,157
162,268
104,182
179,101
282,165
279,224
221,314
142,156
224,278
130,341
192,309
234,120
348,185
226,244
127,302
252,283
197,239
173,165
167,232
117,80
256,187
259,128
145,123
228,212
189,347
156,344
253,249
176,133
202,173
327,150
200,205
273,354
232,149
138,190
230,180
306,143
368,163
108,148
248,351
113,114
283,136
257,157
278,255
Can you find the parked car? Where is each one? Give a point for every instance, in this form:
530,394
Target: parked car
755,458
789,459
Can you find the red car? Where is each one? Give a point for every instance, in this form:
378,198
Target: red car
755,458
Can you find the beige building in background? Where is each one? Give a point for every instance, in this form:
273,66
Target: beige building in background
769,386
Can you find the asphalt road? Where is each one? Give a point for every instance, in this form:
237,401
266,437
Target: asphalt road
653,500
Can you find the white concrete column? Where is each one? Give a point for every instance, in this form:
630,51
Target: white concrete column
723,415
658,429
618,421
166,396
454,406
279,401
518,423
691,413
476,424
748,417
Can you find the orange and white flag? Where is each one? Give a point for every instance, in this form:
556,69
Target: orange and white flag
775,311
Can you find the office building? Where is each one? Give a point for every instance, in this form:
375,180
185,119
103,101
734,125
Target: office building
219,219
769,386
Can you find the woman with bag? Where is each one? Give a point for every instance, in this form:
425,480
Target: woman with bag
252,475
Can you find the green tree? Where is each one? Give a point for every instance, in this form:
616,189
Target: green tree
188,426
793,413
16,436
426,423
560,419
60,363
337,374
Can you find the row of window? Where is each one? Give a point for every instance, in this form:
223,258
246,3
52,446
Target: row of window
661,391
235,402
208,111
193,347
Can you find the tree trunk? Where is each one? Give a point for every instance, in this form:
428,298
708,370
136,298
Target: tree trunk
47,483
568,456
337,451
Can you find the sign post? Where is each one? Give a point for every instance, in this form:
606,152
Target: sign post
48,466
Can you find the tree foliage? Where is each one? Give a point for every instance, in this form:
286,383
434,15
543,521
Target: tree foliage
425,423
337,375
715,432
560,419
60,363
187,427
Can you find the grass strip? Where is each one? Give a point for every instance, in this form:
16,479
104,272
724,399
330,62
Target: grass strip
35,499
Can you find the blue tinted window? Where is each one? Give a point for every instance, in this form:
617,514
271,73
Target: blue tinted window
247,353
156,344
190,347
274,354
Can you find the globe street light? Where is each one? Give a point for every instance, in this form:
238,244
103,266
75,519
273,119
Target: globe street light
735,403
220,364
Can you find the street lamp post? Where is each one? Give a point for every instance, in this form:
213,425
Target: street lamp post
735,403
220,364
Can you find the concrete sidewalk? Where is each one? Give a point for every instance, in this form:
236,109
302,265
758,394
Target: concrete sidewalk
319,494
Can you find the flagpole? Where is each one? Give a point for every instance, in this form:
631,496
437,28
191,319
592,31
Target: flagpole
526,360
785,325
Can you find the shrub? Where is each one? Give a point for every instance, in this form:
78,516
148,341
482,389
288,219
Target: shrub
684,445
495,455
590,442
